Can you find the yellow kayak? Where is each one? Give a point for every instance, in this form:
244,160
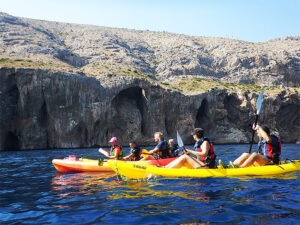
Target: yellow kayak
140,171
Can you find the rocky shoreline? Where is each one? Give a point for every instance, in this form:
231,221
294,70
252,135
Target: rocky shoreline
75,86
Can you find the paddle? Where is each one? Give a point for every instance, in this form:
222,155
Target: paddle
180,142
145,153
102,151
258,107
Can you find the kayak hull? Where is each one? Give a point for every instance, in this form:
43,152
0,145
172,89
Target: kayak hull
79,165
142,171
74,165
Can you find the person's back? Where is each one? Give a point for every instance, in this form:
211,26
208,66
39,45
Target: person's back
173,148
276,143
271,150
210,158
136,151
162,148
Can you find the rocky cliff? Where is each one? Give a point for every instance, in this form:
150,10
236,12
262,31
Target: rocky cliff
66,85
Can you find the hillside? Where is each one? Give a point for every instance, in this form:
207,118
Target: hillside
158,56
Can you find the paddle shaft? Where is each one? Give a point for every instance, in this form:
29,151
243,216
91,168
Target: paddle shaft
258,106
253,132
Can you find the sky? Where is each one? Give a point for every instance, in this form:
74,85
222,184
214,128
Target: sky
248,20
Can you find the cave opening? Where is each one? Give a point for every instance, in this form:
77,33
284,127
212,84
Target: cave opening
11,141
202,117
129,113
232,104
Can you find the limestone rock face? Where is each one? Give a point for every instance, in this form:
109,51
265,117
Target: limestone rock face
70,86
43,109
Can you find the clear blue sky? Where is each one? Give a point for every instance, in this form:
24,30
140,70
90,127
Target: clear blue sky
249,20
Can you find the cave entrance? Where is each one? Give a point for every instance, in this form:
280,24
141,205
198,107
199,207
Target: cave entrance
203,119
11,141
129,114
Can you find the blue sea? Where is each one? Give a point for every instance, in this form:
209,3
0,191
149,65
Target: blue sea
33,192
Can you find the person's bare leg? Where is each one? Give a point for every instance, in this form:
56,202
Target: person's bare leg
193,163
255,159
261,160
185,161
177,163
240,160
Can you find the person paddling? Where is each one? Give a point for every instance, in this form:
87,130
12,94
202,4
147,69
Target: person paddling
203,149
135,152
115,150
269,150
173,148
161,150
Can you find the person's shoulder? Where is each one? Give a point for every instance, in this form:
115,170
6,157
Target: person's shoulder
205,138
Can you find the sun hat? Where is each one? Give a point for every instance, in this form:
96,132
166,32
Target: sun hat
113,139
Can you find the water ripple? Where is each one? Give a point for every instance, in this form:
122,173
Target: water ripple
32,192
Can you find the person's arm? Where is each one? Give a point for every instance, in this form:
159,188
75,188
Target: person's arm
155,150
129,156
205,148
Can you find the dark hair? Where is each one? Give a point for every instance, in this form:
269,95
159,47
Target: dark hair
199,132
265,129
132,142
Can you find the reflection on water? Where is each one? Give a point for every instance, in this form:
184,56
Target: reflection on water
68,185
136,190
32,192
84,183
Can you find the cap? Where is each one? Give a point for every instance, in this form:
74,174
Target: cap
113,139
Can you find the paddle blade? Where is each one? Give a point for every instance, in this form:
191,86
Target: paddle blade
179,141
259,101
144,153
102,151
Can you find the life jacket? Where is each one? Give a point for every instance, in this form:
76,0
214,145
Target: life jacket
137,154
211,156
174,150
163,149
271,150
113,151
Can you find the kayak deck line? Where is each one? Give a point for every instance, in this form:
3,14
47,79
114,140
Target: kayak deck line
138,171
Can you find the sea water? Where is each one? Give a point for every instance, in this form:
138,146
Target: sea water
33,192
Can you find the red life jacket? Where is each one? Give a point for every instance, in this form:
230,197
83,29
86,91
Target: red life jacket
274,149
113,151
211,152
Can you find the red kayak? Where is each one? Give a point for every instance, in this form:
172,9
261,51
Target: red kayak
73,164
